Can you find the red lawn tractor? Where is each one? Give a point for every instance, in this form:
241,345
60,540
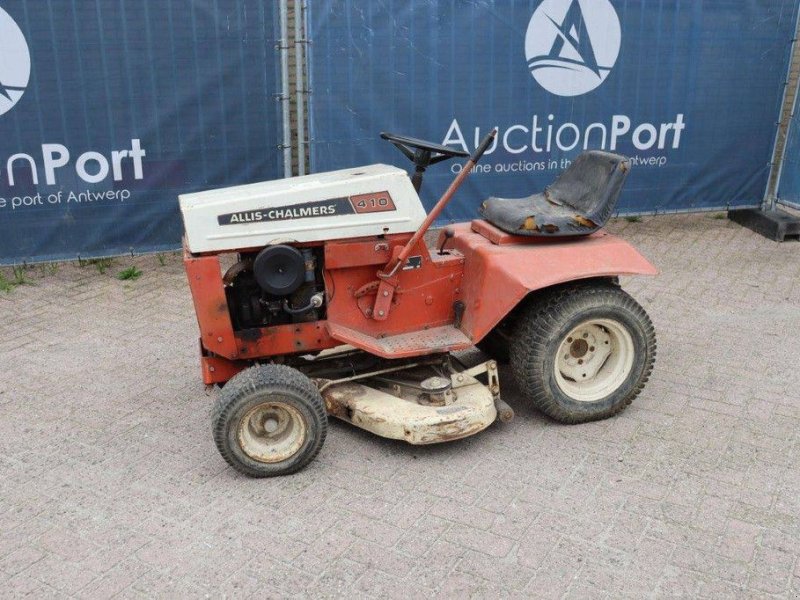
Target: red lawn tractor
333,304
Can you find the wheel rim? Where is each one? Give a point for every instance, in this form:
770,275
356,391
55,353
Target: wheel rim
594,360
272,432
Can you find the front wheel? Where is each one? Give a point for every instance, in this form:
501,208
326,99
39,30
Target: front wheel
583,352
269,420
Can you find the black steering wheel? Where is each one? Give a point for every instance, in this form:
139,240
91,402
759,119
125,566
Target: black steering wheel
423,154
405,143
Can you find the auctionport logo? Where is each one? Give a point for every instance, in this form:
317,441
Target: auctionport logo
15,63
572,45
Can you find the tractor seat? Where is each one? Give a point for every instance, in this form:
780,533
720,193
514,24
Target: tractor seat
579,202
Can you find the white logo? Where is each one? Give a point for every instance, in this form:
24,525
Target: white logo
572,45
15,63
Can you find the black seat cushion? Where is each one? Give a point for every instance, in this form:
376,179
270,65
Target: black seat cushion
579,202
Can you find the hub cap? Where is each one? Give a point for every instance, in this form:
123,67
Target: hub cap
272,432
594,360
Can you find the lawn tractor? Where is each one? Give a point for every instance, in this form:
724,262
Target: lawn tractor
318,296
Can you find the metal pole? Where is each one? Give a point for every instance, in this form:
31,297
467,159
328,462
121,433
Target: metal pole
283,45
300,86
773,182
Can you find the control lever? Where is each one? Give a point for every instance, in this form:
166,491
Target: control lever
448,235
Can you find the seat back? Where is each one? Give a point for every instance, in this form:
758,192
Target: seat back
591,185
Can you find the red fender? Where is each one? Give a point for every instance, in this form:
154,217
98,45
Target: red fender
501,269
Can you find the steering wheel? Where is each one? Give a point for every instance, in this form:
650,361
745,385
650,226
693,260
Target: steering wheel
405,143
423,154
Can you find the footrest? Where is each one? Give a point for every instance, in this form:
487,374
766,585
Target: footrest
416,343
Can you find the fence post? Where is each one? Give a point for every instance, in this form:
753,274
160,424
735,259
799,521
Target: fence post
285,98
300,82
782,135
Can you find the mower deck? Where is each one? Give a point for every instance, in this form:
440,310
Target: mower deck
405,410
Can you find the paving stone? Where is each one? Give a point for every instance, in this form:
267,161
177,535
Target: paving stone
110,485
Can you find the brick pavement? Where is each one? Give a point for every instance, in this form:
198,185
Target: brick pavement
110,485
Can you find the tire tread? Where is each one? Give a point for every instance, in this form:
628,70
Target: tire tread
534,335
250,380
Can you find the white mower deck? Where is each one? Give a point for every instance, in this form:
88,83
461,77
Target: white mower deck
465,409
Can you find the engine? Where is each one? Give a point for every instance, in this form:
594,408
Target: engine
278,285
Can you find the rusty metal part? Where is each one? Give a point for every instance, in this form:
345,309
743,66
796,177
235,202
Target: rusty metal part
323,385
579,348
236,269
344,254
284,339
437,391
388,415
402,408
216,328
219,370
271,432
504,412
434,340
490,368
367,289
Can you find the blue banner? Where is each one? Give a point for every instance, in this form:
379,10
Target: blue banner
109,110
689,90
789,182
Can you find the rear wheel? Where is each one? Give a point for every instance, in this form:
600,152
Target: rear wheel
583,352
269,420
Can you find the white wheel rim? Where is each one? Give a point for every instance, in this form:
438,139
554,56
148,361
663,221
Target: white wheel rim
594,360
272,432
